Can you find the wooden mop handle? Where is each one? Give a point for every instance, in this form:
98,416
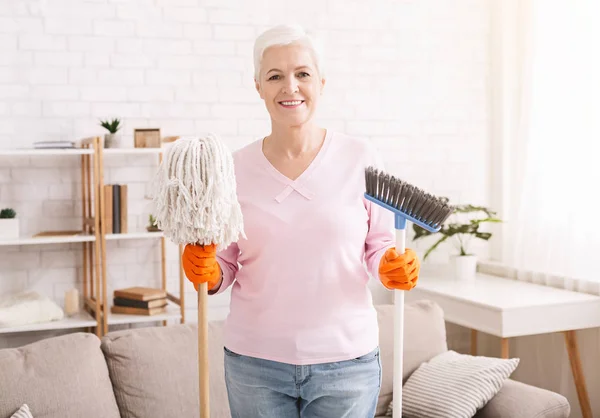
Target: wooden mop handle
203,349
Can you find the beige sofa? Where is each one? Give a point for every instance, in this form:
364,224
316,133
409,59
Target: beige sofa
152,372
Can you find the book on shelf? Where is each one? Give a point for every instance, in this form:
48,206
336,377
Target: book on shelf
115,205
144,304
128,310
53,144
58,233
139,301
140,293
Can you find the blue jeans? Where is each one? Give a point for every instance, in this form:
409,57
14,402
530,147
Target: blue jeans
260,388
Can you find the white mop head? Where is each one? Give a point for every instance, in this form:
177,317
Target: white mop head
195,193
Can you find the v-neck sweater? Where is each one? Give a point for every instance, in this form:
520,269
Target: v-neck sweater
300,277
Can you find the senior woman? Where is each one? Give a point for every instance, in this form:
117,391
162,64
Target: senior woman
301,338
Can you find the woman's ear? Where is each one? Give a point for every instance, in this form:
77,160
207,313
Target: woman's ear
257,87
322,85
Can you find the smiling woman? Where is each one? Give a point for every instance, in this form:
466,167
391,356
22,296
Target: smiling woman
289,79
288,75
302,335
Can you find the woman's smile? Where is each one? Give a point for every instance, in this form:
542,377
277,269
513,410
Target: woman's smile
291,104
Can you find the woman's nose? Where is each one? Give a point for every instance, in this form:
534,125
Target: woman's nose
290,86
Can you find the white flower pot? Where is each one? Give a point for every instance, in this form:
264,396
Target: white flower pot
465,267
112,141
9,228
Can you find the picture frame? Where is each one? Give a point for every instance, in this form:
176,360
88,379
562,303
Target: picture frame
146,138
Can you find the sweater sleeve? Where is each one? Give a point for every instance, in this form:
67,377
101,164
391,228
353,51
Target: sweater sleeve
381,234
228,261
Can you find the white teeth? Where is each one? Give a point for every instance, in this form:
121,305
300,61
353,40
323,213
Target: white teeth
294,103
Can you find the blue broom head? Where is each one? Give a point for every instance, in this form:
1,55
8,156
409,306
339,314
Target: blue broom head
407,202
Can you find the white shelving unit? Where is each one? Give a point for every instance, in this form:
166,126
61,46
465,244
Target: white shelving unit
29,152
80,320
132,151
88,317
176,306
95,313
134,235
47,240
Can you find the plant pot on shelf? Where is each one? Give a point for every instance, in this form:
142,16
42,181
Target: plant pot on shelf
9,228
465,267
112,140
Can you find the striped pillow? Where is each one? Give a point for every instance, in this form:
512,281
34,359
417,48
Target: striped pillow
22,412
453,385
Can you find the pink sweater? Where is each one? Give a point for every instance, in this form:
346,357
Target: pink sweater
299,280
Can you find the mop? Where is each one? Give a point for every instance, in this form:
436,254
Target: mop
406,202
196,203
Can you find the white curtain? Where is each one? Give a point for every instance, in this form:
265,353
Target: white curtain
545,76
552,151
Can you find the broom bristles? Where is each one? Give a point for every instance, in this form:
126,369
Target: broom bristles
195,193
430,210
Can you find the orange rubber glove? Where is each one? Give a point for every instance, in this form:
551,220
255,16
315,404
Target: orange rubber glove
399,271
200,265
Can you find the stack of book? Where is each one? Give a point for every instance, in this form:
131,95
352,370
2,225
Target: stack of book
139,301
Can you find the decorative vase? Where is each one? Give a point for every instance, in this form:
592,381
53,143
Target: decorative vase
465,267
112,140
71,302
9,228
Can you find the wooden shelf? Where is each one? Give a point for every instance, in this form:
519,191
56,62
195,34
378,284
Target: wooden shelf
94,257
173,312
80,320
131,151
47,240
134,235
33,152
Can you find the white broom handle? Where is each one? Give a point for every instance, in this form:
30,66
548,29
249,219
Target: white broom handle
398,333
203,349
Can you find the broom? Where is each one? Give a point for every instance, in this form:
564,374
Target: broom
196,203
407,202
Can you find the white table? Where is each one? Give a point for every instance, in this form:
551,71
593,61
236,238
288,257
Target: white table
509,308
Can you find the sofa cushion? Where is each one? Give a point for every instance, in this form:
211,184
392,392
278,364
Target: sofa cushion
454,384
517,399
424,338
22,412
58,377
145,362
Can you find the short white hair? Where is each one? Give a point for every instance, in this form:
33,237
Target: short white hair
285,35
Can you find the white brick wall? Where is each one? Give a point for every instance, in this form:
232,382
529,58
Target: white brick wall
411,76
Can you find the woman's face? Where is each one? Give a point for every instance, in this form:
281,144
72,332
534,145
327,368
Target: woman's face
289,84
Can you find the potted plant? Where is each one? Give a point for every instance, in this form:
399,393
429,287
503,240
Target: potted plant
9,224
111,139
152,224
462,226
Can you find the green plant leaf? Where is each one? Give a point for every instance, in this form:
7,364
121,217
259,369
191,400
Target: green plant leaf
454,229
420,232
434,246
483,235
472,208
7,213
458,229
480,221
112,126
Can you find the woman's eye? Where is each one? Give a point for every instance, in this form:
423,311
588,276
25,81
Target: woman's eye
303,74
274,77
